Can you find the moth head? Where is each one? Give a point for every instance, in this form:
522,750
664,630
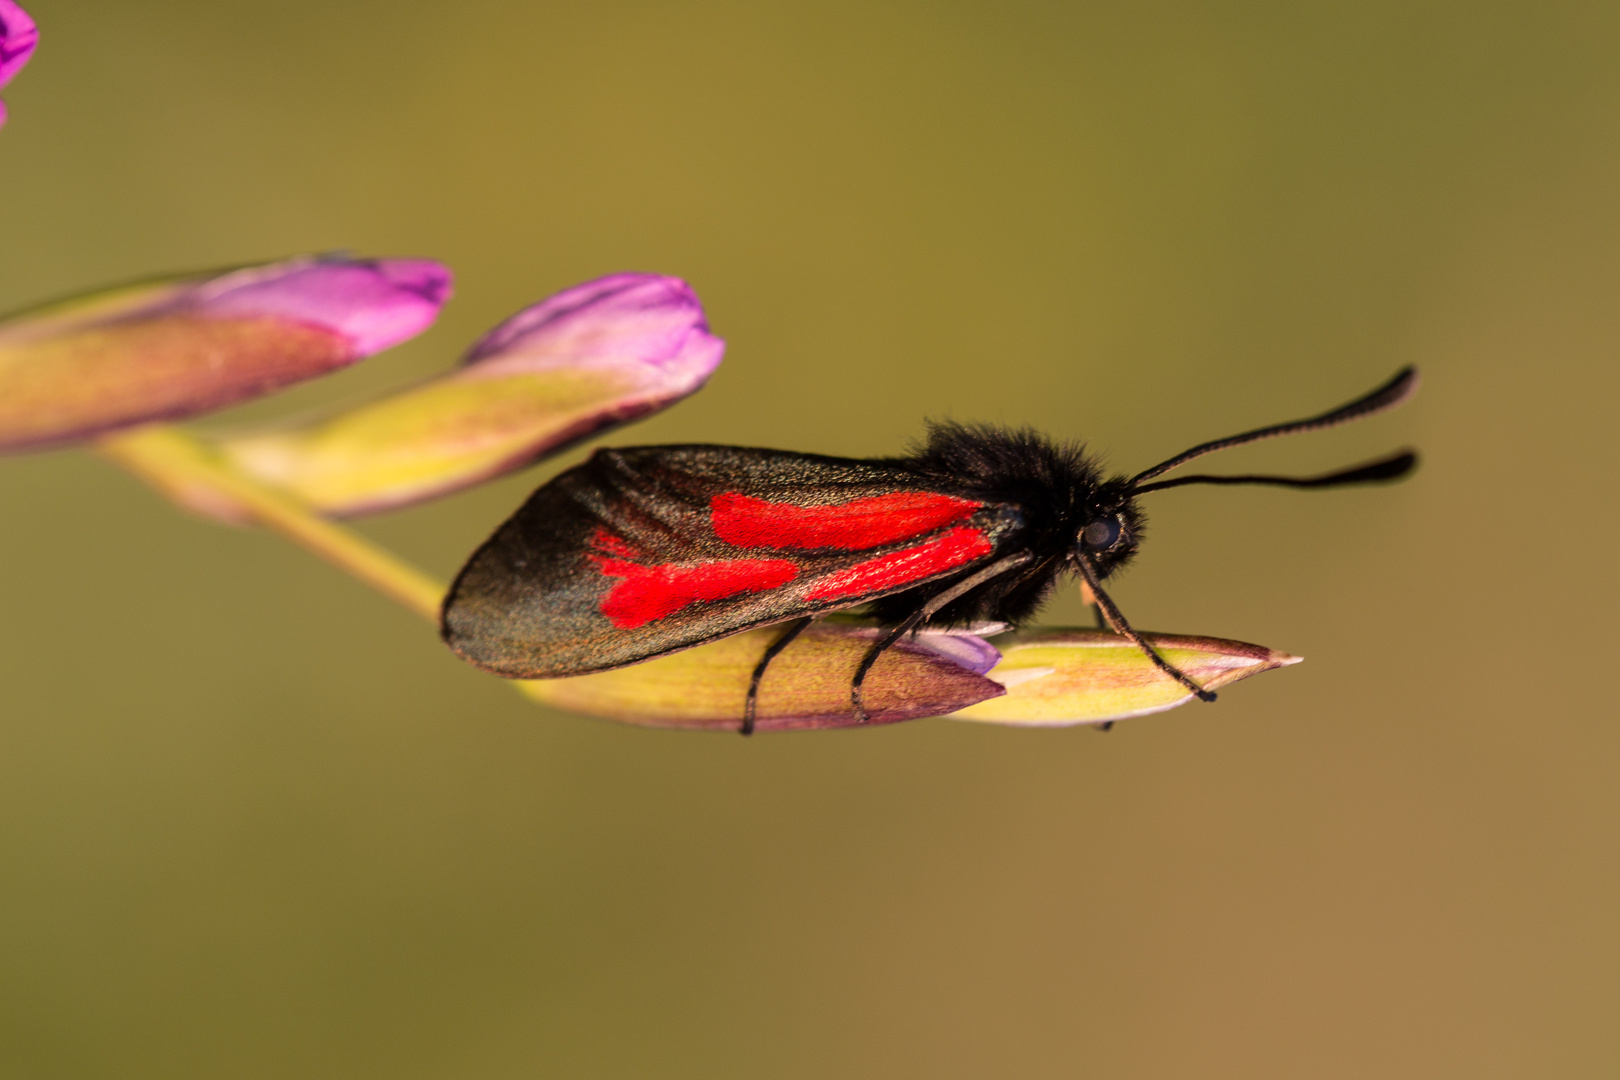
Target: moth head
1110,529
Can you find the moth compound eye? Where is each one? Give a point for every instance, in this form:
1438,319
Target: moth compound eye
1101,534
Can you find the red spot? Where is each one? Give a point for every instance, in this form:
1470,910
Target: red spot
960,545
651,592
854,526
612,544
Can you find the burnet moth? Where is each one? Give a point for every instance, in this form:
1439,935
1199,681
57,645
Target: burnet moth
647,550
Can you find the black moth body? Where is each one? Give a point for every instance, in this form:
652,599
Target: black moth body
644,551
544,596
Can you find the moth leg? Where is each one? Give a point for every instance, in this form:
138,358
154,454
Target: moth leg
1089,598
923,613
1116,622
795,628
878,648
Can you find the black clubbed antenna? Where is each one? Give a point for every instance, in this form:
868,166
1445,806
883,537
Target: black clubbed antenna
1393,467
1391,394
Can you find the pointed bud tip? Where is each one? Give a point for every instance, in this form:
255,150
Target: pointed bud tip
1061,676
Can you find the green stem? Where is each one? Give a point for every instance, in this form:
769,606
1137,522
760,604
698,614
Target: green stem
193,475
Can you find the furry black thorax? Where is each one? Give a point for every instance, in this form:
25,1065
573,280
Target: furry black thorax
1058,488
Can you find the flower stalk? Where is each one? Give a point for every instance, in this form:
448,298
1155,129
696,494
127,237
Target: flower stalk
197,477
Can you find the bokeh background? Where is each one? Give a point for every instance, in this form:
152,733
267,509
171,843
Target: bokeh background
256,822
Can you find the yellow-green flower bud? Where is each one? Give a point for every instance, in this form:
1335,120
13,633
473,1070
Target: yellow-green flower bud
1056,677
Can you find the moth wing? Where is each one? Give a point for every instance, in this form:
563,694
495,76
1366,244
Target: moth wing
647,550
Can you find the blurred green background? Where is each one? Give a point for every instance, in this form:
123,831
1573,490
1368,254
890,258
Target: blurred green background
256,822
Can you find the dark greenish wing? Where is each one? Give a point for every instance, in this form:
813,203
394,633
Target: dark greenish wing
648,550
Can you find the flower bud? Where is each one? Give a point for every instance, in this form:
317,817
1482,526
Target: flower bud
1056,677
175,348
589,358
805,688
18,36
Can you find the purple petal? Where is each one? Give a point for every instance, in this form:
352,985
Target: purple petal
176,348
656,320
18,36
590,358
965,648
374,304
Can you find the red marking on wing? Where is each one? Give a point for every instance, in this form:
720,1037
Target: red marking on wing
960,545
856,525
612,544
652,592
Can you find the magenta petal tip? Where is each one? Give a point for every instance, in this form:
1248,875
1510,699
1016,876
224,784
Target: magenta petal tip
573,365
375,304
18,37
428,279
658,320
173,348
